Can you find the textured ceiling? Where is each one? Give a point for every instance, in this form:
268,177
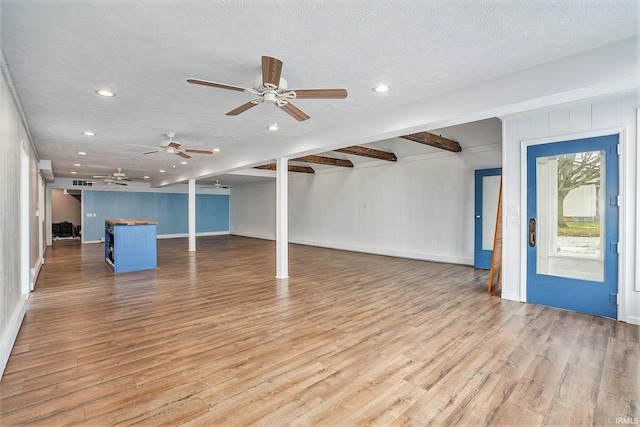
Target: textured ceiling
60,52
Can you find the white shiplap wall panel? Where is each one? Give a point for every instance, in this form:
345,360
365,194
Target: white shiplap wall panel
604,114
12,302
539,125
558,123
580,119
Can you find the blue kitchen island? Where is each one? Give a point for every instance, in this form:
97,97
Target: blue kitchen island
130,244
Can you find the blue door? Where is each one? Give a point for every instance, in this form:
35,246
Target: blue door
572,227
487,188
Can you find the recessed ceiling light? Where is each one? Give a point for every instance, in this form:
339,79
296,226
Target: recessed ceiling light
183,162
89,133
103,92
381,88
82,153
73,172
77,164
216,150
161,170
273,126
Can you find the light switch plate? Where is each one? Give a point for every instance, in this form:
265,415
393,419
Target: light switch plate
513,220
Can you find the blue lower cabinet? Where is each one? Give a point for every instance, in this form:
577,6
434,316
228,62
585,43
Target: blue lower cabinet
130,245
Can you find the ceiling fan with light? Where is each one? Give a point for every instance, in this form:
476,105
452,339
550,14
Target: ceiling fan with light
271,88
173,147
118,178
216,184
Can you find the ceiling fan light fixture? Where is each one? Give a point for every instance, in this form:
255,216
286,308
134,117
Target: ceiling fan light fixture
217,150
382,88
106,93
269,97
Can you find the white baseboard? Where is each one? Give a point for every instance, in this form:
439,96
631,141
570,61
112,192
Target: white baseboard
511,297
434,257
367,250
634,320
11,333
34,273
421,256
254,236
179,235
342,247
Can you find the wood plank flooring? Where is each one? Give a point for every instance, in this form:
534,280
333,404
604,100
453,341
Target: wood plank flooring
212,338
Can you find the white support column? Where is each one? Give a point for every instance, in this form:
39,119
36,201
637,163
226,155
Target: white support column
282,222
192,215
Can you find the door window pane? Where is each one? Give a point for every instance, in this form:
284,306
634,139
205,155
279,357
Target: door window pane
570,237
490,195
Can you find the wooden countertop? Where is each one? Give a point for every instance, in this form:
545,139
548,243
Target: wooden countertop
129,222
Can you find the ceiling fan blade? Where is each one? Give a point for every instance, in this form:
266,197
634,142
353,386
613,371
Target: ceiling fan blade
151,152
271,71
191,150
120,183
295,112
185,155
241,109
218,85
320,93
143,146
102,176
173,144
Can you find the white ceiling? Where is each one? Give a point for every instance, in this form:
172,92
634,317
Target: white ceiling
59,53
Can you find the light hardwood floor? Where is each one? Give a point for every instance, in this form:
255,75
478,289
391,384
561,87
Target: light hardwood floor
212,338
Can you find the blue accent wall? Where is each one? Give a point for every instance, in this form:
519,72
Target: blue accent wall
171,210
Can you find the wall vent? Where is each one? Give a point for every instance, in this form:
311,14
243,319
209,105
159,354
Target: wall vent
82,183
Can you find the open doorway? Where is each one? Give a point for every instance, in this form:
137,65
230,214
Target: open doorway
66,214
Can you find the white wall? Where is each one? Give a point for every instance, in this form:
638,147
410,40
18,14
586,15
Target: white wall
13,138
420,207
589,119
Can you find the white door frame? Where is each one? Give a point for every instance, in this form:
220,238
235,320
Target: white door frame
25,220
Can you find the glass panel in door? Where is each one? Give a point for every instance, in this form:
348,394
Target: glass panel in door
570,239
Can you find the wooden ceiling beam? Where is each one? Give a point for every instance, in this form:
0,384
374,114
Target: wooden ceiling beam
432,140
368,152
325,161
292,168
